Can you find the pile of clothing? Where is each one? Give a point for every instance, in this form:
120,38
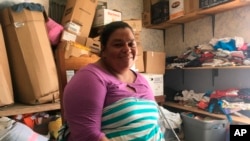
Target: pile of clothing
216,53
227,101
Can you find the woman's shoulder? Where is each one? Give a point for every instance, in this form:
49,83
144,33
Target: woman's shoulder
93,68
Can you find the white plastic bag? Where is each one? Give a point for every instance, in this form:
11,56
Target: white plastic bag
10,130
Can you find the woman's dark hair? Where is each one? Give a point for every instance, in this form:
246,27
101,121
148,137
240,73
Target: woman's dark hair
109,29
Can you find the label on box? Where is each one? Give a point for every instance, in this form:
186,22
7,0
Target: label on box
67,36
176,8
105,16
73,27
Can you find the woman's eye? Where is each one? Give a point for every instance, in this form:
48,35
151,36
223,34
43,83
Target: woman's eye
118,44
132,44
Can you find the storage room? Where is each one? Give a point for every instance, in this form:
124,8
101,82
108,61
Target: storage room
142,70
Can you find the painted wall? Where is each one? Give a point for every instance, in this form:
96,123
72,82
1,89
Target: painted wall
227,24
152,40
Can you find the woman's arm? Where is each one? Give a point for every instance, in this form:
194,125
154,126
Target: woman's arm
83,103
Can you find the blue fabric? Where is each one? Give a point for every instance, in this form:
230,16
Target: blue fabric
29,6
226,45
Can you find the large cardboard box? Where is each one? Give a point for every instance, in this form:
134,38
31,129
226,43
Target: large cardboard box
81,13
6,91
31,60
136,24
105,16
178,8
154,62
156,83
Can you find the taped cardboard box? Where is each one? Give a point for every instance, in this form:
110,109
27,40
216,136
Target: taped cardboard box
81,13
6,91
94,44
136,24
76,50
70,58
106,16
179,8
32,65
154,62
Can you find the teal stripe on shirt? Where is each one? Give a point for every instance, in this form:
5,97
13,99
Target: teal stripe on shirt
128,114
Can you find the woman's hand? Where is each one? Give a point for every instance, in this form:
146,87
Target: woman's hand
104,138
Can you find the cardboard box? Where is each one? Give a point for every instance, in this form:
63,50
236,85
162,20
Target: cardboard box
68,36
160,12
178,8
105,16
32,65
146,19
94,45
139,63
154,62
156,83
75,49
6,89
146,5
136,24
83,59
80,12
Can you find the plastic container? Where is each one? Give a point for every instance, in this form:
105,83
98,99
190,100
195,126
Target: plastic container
203,130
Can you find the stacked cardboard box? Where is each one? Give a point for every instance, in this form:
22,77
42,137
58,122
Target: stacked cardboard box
6,90
179,8
78,16
158,11
154,64
105,16
31,60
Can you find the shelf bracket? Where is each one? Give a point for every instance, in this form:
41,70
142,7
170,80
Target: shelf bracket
183,76
183,31
213,23
214,74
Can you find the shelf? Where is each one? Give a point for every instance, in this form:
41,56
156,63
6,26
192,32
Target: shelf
200,68
201,13
225,7
183,19
17,109
200,111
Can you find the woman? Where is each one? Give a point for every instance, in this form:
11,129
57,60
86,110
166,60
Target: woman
106,100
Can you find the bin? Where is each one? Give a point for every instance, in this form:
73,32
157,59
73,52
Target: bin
203,130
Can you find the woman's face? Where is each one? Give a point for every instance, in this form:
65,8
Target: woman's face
121,50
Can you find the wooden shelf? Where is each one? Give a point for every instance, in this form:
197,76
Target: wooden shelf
17,109
199,68
201,13
224,7
200,111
